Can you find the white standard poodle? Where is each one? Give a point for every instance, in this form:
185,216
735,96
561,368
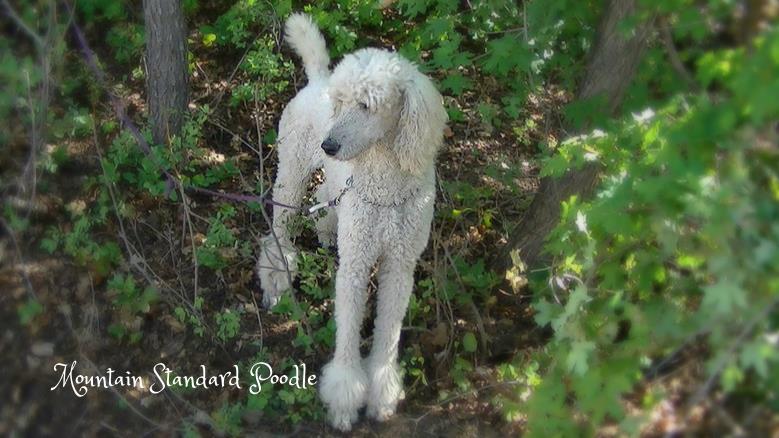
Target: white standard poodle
376,122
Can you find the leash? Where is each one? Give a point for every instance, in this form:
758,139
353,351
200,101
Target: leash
333,202
90,58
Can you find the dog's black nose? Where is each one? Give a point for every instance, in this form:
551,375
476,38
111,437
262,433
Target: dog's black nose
330,146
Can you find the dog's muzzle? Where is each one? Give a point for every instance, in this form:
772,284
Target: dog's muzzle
330,146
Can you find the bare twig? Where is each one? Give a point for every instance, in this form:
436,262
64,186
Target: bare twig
14,16
118,394
673,55
259,319
448,311
463,395
304,318
188,225
220,125
259,143
20,259
137,261
93,368
38,104
471,306
737,342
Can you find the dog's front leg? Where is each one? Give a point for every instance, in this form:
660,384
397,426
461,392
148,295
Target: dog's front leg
344,383
277,261
385,387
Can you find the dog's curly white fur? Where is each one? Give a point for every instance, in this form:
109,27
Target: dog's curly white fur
386,120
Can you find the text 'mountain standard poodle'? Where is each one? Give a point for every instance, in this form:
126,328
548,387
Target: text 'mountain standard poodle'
376,122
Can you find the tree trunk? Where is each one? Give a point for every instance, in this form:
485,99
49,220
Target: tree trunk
610,69
758,15
166,63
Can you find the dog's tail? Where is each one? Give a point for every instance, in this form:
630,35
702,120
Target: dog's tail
307,41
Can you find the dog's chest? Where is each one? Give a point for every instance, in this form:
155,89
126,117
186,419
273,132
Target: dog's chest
369,220
386,225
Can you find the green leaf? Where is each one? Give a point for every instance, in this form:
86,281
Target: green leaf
545,312
757,355
724,297
258,402
506,54
29,310
49,245
578,357
209,39
469,342
456,83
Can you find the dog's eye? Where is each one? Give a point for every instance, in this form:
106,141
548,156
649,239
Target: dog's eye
363,106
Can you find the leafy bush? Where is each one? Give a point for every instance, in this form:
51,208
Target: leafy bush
131,301
127,41
228,323
218,246
679,244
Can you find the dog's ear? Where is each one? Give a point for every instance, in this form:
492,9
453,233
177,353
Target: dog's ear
421,124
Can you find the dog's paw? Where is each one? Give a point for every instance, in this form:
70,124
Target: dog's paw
343,388
342,419
274,274
269,301
385,389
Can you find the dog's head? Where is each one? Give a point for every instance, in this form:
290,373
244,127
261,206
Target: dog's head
379,98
